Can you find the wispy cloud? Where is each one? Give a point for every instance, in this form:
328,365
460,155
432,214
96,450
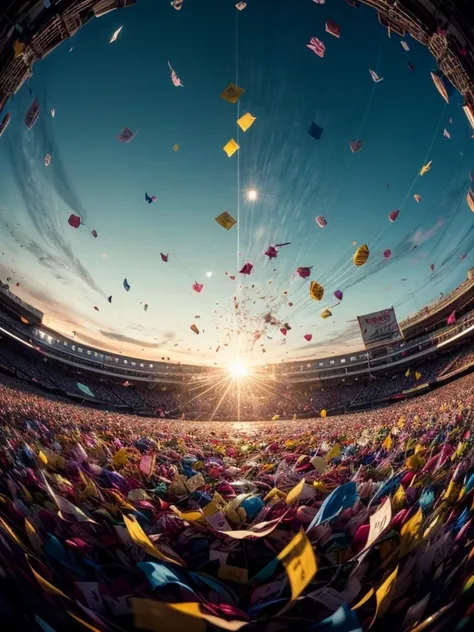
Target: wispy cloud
420,236
50,248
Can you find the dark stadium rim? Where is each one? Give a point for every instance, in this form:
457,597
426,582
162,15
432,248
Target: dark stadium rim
38,30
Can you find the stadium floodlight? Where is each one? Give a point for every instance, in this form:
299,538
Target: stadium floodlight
239,370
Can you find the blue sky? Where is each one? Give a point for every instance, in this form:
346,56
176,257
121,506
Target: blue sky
99,88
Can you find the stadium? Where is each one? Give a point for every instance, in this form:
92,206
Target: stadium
236,385
425,353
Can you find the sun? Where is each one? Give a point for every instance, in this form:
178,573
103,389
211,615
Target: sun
238,370
252,195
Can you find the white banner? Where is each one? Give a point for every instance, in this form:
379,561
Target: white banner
379,327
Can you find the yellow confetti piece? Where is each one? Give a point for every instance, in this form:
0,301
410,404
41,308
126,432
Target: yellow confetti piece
399,499
189,516
300,563
86,625
387,444
231,148
384,594
45,585
316,291
333,452
120,458
11,534
141,539
364,600
158,616
33,537
295,493
226,220
246,121
469,584
409,533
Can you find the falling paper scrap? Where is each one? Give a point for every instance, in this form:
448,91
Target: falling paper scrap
194,328
417,197
271,252
176,147
232,93
355,145
333,29
246,268
226,220
321,221
177,4
32,114
361,255
126,285
240,6
164,257
375,76
393,216
315,131
115,35
74,221
303,272
174,77
149,199
425,168
317,46
316,291
446,134
246,121
197,287
231,147
126,135
47,160
405,45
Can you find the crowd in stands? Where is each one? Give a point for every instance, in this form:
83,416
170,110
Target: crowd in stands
250,399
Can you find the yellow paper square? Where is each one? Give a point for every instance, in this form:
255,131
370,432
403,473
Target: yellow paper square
295,493
384,594
299,562
159,616
231,147
246,121
226,220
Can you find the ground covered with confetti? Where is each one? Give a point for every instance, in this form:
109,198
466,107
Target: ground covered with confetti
115,522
